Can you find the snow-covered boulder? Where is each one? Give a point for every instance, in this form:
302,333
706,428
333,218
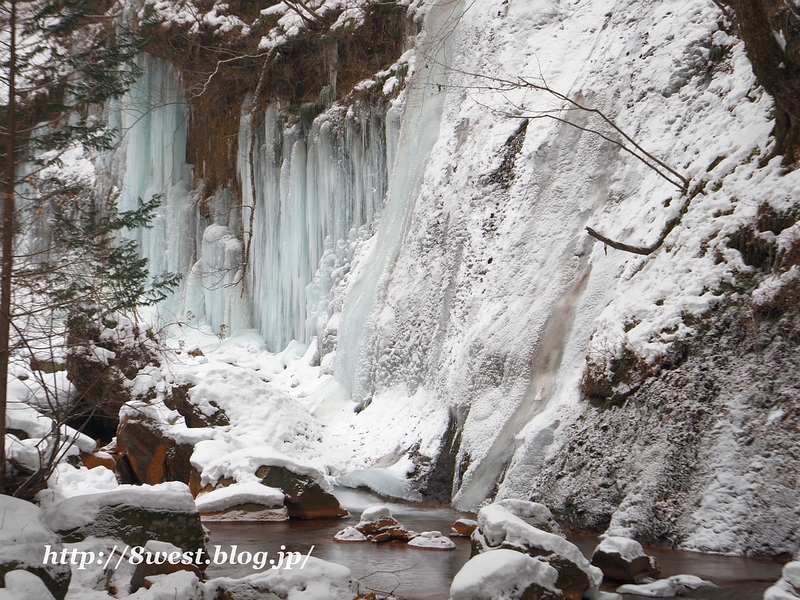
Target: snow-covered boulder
308,494
24,585
316,579
463,528
498,528
623,559
133,514
788,586
505,575
26,544
160,558
533,513
153,455
242,502
666,588
350,534
378,525
432,540
181,584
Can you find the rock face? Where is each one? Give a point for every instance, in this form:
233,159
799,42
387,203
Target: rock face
645,481
304,498
26,544
499,529
505,574
624,560
133,514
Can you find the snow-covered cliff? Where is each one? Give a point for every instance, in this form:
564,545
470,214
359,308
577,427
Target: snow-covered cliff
432,251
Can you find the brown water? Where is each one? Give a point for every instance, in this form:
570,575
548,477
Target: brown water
417,574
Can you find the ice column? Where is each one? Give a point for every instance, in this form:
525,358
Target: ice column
314,188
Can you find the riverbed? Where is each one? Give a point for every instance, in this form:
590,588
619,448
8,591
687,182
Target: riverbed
417,574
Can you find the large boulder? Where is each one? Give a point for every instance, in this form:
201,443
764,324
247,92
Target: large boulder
304,497
622,559
153,456
534,514
133,514
242,502
307,493
463,528
505,574
788,586
27,544
316,579
499,529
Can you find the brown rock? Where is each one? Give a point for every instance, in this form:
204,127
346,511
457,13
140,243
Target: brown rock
98,459
616,568
463,528
153,457
304,498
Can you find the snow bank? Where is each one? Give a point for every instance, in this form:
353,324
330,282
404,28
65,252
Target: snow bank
502,575
316,580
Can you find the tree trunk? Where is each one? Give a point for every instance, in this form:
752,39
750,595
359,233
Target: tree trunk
8,239
776,68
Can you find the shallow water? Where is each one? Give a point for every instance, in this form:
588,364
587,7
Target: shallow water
418,574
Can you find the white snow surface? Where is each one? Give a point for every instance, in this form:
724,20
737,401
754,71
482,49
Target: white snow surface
665,588
501,575
497,526
239,493
23,533
81,510
433,540
23,585
628,549
788,586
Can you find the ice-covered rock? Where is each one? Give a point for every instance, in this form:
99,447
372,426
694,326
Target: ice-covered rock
498,528
505,575
463,528
133,514
788,586
533,513
666,588
623,559
249,501
26,544
433,540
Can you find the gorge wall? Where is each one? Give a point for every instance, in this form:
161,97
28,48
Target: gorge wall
427,234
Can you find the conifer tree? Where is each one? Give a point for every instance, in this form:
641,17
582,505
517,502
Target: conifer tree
61,61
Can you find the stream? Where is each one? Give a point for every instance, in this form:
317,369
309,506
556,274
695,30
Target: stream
417,574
